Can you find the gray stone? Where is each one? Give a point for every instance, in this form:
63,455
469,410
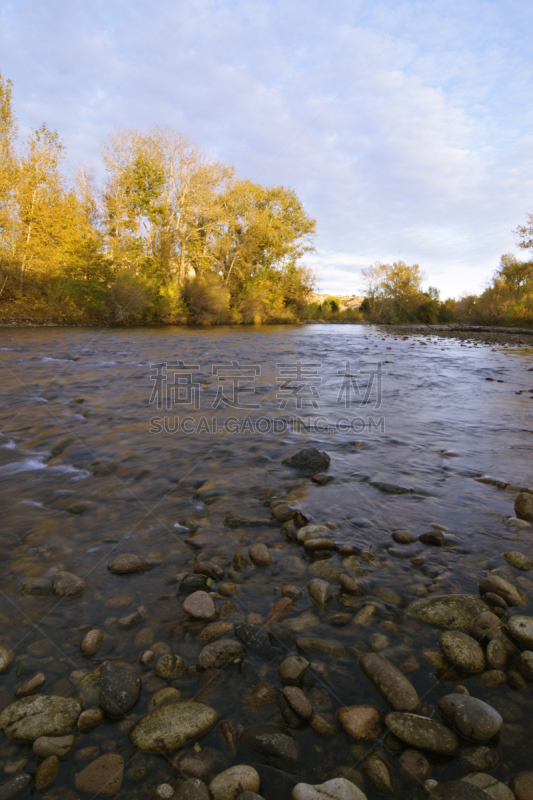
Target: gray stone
92,641
395,689
522,785
217,654
462,651
521,629
60,746
200,605
260,554
479,759
523,506
422,733
298,701
120,688
308,461
458,790
321,647
65,584
320,591
524,664
472,717
256,640
193,583
27,719
127,563
414,766
449,610
496,585
403,537
378,773
169,666
193,789
15,786
233,781
518,560
6,657
292,669
487,783
271,741
171,726
334,789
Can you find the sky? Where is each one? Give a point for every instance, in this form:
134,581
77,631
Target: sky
406,128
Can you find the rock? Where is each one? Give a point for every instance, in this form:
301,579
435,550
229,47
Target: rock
473,718
311,532
320,591
127,563
200,605
518,560
321,647
6,657
91,642
291,591
523,506
282,635
193,583
522,785
46,772
432,537
479,759
497,657
313,545
292,669
403,537
171,726
129,621
214,631
120,688
260,554
169,666
27,719
485,625
298,701
65,584
448,610
501,587
491,678
167,695
256,640
456,790
378,773
322,725
282,512
60,746
340,619
462,651
217,654
233,781
193,789
422,733
336,789
271,741
15,786
308,461
521,629
40,587
102,776
414,766
350,585
304,621
395,689
360,722
163,792
90,719
209,570
523,664
487,783
31,685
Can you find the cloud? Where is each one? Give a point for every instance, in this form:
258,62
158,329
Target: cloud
394,122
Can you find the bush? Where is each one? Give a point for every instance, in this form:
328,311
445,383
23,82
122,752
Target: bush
207,299
131,296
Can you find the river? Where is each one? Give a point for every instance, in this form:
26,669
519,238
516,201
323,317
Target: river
148,440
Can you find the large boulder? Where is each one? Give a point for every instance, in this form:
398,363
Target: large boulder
171,726
37,715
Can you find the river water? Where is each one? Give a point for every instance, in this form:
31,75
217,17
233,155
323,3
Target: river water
146,440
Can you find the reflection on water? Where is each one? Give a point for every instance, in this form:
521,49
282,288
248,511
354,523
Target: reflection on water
86,473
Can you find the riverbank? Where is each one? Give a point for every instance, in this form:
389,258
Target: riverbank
517,337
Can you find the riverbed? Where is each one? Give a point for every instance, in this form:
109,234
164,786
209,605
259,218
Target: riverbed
168,444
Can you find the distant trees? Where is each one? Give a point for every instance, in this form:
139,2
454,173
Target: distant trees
394,293
170,233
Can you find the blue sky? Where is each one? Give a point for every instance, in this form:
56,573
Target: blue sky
405,127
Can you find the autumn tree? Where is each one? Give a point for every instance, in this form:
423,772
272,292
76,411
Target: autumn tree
8,167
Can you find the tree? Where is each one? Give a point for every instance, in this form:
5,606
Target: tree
8,165
374,276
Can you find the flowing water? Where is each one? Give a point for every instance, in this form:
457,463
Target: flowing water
93,464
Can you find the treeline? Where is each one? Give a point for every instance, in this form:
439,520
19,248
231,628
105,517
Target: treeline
170,234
